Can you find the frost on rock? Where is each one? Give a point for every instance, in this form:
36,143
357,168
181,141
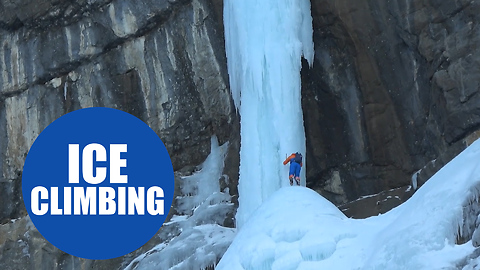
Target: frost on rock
437,228
201,211
265,42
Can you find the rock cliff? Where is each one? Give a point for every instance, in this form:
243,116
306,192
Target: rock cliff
162,61
393,90
392,95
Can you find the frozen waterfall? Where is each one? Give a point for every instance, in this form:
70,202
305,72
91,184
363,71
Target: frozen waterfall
265,41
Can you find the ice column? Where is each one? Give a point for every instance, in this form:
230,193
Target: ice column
265,40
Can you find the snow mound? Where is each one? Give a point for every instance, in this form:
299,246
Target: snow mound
298,229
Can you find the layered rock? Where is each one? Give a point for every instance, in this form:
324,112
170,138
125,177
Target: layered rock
162,61
393,93
393,87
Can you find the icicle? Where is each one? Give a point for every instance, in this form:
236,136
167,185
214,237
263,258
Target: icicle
65,91
414,179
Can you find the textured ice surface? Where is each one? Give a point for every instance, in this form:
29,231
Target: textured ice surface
201,211
298,229
264,42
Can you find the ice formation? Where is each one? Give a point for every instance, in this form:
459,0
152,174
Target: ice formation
201,239
265,41
298,229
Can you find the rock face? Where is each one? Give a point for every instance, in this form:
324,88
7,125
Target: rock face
162,61
393,93
394,86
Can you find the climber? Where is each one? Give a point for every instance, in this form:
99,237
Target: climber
295,160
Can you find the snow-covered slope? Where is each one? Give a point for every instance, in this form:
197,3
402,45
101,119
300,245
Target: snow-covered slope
298,229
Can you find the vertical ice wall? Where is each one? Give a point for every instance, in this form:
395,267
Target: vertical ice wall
265,40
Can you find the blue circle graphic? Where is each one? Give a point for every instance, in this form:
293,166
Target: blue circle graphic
98,183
